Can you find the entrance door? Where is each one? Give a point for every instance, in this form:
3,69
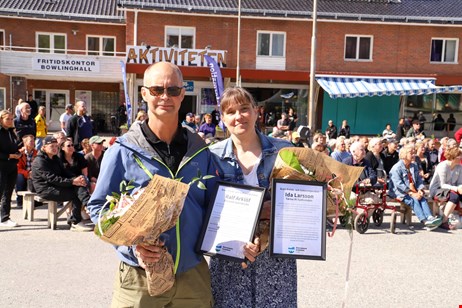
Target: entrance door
188,105
55,102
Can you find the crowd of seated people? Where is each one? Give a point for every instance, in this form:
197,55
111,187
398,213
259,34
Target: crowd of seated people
57,171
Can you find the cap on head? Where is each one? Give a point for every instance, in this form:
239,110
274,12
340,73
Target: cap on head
96,139
50,140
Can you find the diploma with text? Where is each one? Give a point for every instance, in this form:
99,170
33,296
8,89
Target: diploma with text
231,220
298,219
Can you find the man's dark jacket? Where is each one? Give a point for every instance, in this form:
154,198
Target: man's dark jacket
48,174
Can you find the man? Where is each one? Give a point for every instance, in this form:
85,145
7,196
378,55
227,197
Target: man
283,123
162,146
25,165
79,125
340,153
94,159
358,154
25,124
64,118
331,130
390,155
415,131
52,182
41,127
33,106
400,130
432,154
189,121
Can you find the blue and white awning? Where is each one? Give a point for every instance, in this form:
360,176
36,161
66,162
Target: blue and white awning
360,86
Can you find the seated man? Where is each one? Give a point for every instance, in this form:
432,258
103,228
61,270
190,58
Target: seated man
94,159
407,186
24,166
340,153
357,158
52,182
283,123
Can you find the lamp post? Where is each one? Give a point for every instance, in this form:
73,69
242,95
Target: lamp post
311,115
238,76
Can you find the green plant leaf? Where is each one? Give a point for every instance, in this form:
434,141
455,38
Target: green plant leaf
291,159
206,177
201,185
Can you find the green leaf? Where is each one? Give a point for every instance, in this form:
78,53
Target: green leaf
199,173
206,177
291,159
179,179
201,185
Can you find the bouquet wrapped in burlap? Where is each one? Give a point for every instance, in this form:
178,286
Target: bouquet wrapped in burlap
141,219
310,165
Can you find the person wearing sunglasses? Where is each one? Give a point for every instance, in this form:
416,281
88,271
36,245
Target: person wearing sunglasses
160,145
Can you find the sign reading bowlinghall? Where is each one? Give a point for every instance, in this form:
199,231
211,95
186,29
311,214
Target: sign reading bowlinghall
178,56
57,63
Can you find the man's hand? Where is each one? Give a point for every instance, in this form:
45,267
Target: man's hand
148,254
79,181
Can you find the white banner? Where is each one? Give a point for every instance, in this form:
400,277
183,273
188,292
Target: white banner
65,63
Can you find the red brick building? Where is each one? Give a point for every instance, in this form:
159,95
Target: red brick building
388,40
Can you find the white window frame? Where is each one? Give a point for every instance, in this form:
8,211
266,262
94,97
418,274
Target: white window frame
100,50
180,30
271,43
444,39
52,42
358,37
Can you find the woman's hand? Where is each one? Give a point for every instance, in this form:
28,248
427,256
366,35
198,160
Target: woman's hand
251,251
148,254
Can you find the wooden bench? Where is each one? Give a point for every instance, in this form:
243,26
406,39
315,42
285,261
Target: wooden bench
53,213
405,213
28,205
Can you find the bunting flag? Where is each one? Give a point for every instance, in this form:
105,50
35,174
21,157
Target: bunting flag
128,104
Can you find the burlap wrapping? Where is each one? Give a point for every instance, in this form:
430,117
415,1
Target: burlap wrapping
154,212
318,167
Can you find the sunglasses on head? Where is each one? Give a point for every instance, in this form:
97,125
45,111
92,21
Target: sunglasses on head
158,91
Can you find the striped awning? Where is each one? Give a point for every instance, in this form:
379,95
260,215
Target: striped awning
360,86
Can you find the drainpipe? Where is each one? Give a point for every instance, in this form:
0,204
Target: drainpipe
311,105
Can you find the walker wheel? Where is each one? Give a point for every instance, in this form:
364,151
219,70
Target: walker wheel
343,221
377,217
361,223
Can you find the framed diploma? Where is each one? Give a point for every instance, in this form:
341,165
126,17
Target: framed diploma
298,219
231,220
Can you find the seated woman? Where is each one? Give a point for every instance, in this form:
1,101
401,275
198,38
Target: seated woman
208,128
406,185
422,161
448,176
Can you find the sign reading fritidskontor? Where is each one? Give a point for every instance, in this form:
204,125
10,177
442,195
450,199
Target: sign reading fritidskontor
65,63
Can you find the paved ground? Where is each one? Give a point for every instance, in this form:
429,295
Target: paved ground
44,268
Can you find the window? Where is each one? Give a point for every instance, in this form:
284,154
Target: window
180,37
100,46
271,44
2,40
51,43
358,48
444,50
2,98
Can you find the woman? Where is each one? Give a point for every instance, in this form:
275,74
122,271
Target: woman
73,161
41,126
345,130
388,133
374,157
247,157
407,186
448,176
9,156
422,161
86,148
141,116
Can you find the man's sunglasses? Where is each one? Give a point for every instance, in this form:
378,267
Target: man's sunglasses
158,91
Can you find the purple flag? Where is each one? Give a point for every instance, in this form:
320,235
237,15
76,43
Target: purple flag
217,79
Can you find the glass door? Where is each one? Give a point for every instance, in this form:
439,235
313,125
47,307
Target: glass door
55,102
